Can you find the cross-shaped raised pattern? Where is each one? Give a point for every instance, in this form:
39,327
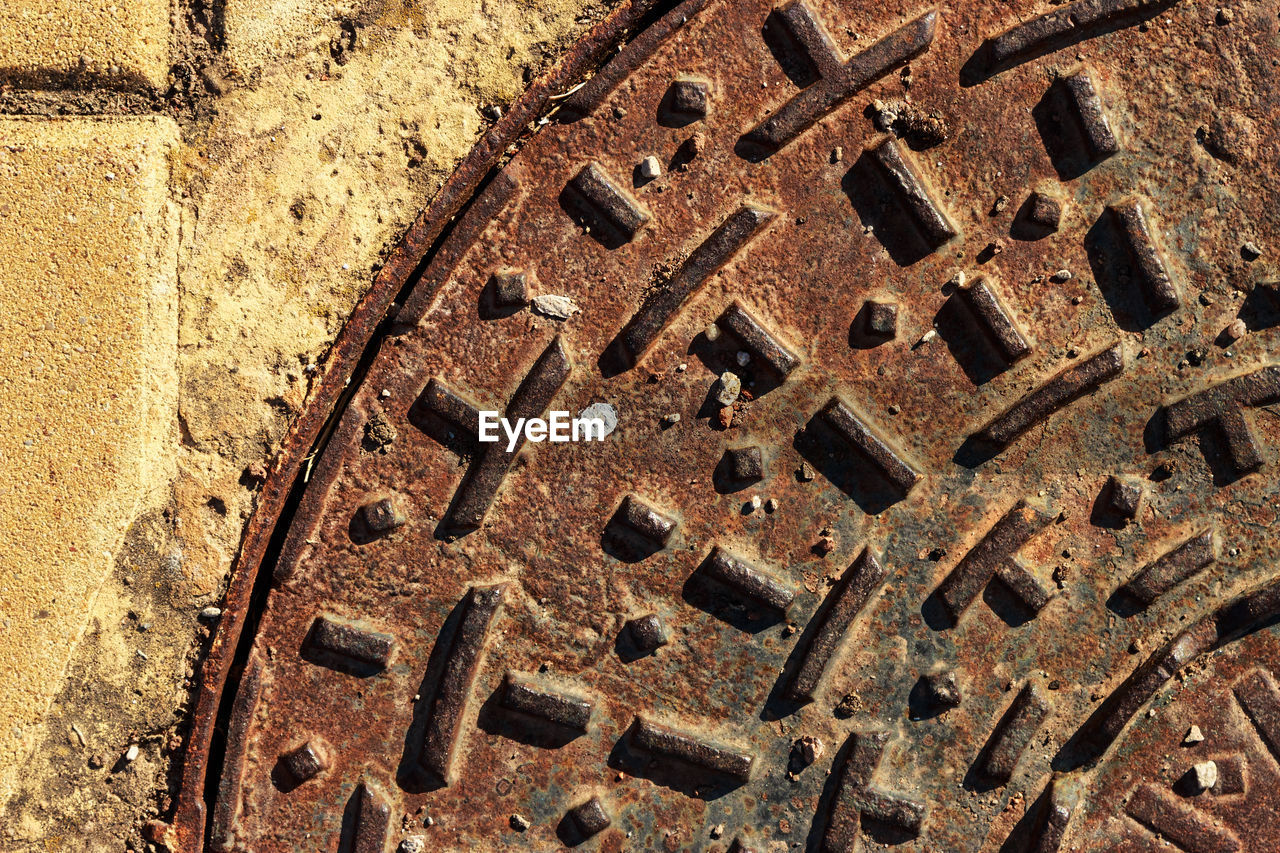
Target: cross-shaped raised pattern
857,799
489,469
838,80
1221,406
994,558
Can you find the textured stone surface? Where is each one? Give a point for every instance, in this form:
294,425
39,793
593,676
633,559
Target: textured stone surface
127,43
88,332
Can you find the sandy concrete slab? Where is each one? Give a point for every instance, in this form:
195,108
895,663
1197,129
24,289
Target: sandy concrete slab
88,384
259,31
48,40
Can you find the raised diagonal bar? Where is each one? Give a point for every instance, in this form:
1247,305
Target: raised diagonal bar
846,600
1069,385
911,194
691,749
661,307
1172,568
1064,25
461,664
841,417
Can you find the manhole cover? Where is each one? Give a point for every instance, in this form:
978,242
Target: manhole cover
979,537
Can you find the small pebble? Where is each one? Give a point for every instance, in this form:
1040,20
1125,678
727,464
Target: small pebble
1224,17
131,753
413,844
1002,201
211,613
752,505
650,168
557,307
771,505
1061,276
671,419
717,831
1250,251
519,823
712,332
1193,736
928,336
690,149
810,749
806,472
681,367
1076,300
727,388
1204,775
1236,330
744,358
837,154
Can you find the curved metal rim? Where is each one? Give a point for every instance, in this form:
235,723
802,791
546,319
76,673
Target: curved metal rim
186,832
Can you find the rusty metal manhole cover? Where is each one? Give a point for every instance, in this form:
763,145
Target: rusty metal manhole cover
981,535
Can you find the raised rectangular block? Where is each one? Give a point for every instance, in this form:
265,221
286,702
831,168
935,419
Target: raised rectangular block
45,42
88,394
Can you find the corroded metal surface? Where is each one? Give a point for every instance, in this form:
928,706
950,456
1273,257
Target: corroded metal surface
984,534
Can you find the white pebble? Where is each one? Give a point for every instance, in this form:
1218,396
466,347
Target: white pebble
1205,775
727,388
650,168
559,307
603,412
131,753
